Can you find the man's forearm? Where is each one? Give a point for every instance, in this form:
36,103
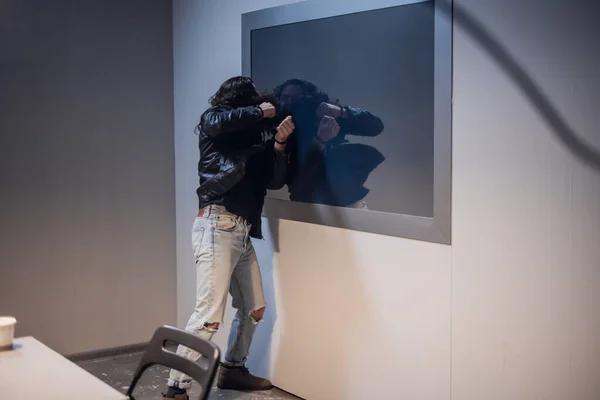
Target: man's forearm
220,123
360,122
281,163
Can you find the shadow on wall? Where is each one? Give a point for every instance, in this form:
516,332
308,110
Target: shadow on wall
321,270
564,132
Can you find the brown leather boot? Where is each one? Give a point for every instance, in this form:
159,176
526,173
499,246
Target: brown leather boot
239,378
175,394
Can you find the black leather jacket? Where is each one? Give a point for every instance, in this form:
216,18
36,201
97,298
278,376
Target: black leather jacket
228,138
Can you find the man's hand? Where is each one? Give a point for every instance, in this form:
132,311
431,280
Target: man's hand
330,110
284,130
328,129
268,110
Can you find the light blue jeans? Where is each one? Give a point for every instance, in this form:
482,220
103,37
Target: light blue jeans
225,262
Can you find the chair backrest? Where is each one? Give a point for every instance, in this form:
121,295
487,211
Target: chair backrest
157,354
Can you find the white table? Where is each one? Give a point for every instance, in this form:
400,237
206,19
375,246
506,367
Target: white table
33,371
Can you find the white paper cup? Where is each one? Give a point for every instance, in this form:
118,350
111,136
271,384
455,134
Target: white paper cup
7,332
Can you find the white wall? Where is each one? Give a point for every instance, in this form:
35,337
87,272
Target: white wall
87,251
526,265
510,310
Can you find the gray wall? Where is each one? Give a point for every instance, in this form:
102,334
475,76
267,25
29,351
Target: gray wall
87,206
510,310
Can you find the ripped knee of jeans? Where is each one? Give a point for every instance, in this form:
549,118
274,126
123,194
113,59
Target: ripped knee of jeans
212,327
257,315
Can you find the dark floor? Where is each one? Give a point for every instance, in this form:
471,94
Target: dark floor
118,372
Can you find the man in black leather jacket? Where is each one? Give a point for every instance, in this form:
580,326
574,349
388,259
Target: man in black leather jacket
242,154
231,140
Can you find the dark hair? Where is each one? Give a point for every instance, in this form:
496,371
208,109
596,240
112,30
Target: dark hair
238,91
267,97
311,94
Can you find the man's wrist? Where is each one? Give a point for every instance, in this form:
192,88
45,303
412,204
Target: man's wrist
279,141
321,141
320,144
280,147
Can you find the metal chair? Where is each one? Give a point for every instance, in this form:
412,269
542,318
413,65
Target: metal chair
157,354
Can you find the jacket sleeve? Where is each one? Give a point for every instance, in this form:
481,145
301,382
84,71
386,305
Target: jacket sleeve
360,122
216,122
279,170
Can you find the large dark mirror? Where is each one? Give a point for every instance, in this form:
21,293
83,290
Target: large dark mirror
368,87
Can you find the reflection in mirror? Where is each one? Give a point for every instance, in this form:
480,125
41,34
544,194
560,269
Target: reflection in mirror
326,168
362,101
